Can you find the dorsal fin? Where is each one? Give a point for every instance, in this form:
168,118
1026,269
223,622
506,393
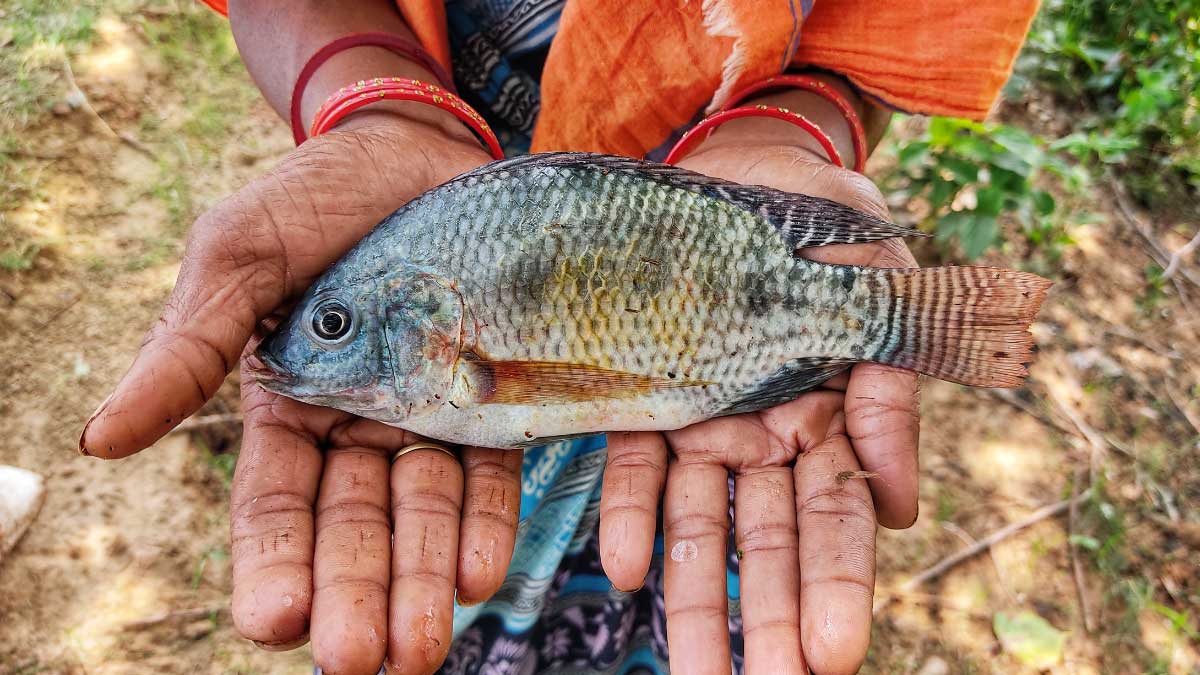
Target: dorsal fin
802,220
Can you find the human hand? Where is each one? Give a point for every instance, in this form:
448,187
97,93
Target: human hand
312,550
805,532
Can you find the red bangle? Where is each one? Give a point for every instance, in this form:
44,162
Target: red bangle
858,134
396,44
365,92
706,127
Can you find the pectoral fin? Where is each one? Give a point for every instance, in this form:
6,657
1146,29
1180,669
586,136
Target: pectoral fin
548,382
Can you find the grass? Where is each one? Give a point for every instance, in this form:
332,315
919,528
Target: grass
187,129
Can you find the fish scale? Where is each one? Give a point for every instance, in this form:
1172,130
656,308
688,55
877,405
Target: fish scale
566,294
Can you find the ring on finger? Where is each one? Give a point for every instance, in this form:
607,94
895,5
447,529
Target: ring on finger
424,445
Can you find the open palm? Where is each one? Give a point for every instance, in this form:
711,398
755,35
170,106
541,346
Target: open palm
811,479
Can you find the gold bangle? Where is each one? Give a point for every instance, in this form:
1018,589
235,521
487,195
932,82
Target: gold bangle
424,445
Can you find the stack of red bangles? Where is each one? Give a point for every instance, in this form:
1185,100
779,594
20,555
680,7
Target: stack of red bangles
858,134
365,92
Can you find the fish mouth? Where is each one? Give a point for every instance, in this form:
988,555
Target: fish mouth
269,372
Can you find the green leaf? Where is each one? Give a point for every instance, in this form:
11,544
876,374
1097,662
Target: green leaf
942,193
980,235
913,153
1043,202
1090,543
1013,162
989,201
1017,141
963,171
1030,639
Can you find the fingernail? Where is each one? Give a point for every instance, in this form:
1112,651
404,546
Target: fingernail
83,434
462,602
286,645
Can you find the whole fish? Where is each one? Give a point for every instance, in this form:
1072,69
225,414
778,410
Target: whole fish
566,294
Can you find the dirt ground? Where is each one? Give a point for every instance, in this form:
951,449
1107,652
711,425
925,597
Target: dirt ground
126,569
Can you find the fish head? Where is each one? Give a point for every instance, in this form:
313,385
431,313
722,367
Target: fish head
382,347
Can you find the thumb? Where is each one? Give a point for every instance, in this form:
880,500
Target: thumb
222,290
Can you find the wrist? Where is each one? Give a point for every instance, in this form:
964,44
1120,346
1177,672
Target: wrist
763,133
412,140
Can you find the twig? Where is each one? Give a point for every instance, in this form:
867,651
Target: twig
56,315
125,138
1006,396
194,423
1178,256
1085,609
1181,406
954,559
1123,332
31,154
967,539
1094,438
1143,230
177,615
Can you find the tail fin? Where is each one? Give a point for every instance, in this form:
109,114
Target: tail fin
965,324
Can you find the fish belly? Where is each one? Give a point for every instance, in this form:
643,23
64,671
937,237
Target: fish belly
510,426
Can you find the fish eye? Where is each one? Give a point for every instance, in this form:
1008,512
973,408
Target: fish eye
331,322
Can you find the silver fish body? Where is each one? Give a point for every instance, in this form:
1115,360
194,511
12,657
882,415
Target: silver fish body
567,294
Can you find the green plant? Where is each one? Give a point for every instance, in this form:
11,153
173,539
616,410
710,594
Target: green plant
214,553
972,174
1131,72
19,258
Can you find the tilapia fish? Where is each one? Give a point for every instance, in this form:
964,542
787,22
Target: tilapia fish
566,294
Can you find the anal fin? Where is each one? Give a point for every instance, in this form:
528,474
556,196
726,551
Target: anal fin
792,379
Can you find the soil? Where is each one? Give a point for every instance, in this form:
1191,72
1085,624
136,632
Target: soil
120,543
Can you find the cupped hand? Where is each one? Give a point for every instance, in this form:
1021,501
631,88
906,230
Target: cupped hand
811,480
315,503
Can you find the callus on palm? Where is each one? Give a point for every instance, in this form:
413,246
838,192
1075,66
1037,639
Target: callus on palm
567,294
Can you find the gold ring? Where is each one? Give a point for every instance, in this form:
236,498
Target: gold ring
424,445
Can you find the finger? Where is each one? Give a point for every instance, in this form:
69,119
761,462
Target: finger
765,526
837,554
271,521
883,405
491,509
351,562
695,526
633,481
883,421
427,493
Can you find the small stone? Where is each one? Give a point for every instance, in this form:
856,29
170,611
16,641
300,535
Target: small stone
61,109
934,665
75,99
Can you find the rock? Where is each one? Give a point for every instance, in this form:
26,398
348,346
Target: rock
1096,359
934,665
21,495
75,99
61,109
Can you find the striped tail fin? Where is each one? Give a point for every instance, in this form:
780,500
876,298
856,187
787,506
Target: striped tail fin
964,324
